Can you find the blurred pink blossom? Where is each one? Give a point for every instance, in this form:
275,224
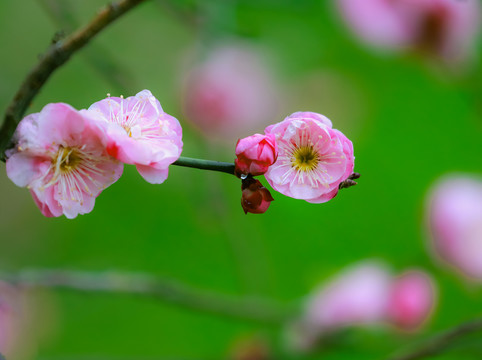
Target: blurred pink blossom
230,94
455,219
411,300
444,28
61,157
140,132
255,154
364,294
13,334
313,159
358,295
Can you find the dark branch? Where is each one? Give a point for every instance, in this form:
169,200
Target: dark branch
440,342
56,55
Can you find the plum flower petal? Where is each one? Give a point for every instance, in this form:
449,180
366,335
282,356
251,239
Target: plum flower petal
140,132
61,157
313,159
151,174
455,221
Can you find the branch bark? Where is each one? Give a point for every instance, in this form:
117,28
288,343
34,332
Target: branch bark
56,55
247,308
440,342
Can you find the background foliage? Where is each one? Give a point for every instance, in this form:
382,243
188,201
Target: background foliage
410,122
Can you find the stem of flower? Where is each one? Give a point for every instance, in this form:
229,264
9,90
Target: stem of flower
202,164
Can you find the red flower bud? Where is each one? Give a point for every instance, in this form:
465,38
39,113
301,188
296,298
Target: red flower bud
255,154
255,198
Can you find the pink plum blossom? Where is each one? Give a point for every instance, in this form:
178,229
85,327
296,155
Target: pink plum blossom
444,28
411,300
229,94
313,158
61,157
455,220
255,154
139,132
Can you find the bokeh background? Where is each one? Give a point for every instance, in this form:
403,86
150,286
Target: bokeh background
411,120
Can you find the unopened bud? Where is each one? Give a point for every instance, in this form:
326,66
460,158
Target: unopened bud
255,197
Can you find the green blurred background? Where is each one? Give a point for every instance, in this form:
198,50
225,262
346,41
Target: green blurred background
410,122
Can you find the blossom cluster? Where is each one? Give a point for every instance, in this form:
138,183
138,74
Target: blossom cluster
66,157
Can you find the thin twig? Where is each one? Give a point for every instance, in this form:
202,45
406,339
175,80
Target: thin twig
246,307
440,342
56,55
96,56
187,13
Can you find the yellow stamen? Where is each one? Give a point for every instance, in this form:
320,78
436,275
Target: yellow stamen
67,159
305,158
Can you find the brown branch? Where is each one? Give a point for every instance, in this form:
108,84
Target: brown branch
56,55
147,286
440,342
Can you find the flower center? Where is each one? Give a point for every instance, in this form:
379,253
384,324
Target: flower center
67,159
305,158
